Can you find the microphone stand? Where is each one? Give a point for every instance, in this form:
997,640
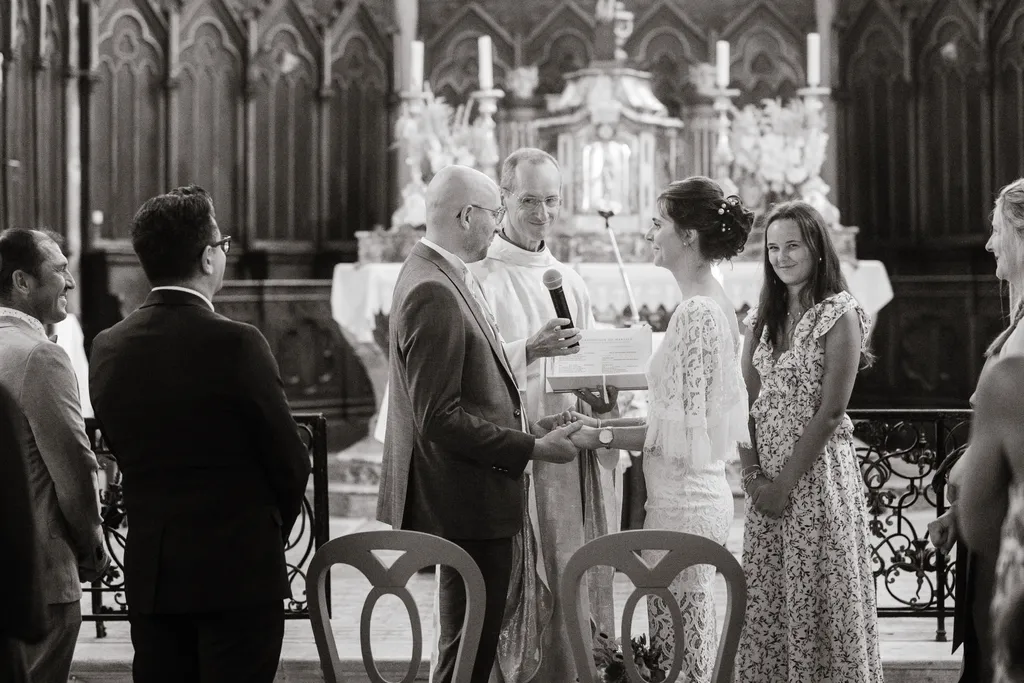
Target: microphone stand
606,214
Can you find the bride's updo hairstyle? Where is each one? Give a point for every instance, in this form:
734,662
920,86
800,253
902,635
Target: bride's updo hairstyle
721,222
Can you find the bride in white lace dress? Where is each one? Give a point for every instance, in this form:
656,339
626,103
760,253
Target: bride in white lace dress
698,406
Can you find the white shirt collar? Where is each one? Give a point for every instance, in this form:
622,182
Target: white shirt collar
175,288
448,256
24,317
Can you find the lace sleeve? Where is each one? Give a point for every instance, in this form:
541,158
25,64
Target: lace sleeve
750,319
691,385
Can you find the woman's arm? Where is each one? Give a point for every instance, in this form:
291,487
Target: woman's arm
996,433
750,471
624,438
842,356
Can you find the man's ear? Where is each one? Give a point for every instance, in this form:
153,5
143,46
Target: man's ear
22,281
206,261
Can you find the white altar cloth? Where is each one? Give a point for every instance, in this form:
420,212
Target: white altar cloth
361,291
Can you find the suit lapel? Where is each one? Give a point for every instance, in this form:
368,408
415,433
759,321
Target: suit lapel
459,281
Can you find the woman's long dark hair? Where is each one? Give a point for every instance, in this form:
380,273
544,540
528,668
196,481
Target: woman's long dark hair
825,280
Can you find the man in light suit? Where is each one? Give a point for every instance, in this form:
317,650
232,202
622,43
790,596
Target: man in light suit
34,281
458,438
213,470
21,592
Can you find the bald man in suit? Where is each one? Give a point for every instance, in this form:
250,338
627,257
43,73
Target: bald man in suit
458,439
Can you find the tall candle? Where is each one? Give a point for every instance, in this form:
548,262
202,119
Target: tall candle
722,64
813,60
483,45
416,66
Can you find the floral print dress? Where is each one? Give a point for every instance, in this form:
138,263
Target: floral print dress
811,612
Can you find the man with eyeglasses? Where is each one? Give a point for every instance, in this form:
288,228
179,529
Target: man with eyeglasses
214,471
575,501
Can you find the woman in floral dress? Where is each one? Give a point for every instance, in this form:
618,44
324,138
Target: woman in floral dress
811,612
698,408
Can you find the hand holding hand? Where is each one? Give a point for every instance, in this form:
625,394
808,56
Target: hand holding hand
551,340
942,531
586,438
597,400
556,446
770,499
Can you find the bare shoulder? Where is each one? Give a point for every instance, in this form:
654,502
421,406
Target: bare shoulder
999,389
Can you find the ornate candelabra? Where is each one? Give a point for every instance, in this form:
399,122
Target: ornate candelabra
487,156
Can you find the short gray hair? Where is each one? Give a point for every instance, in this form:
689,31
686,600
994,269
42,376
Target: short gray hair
529,155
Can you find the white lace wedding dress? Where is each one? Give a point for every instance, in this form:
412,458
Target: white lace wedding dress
697,414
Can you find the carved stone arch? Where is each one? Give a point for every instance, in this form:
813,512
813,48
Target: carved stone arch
370,44
668,55
134,11
565,50
769,64
291,13
562,16
198,13
665,17
455,75
471,16
277,39
355,45
868,59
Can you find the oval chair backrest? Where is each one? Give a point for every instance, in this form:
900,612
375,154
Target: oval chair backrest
620,550
420,550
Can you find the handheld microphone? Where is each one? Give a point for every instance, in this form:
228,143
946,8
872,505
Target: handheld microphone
553,281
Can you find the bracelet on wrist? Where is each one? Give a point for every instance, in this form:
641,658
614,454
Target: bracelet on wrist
598,423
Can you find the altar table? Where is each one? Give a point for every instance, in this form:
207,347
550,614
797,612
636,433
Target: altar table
362,291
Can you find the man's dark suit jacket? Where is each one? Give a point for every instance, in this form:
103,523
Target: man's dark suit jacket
21,591
455,450
214,472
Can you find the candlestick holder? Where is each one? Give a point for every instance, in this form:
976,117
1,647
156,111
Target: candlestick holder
722,106
812,97
487,106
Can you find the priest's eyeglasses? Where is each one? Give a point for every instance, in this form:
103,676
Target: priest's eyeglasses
497,214
532,203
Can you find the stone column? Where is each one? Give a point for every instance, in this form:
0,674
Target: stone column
825,11
74,223
407,18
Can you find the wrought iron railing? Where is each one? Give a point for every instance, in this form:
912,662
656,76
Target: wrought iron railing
311,529
899,452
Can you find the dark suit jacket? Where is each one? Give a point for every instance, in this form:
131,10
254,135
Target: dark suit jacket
214,472
21,590
455,450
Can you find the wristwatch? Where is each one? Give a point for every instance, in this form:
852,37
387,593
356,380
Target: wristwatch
605,437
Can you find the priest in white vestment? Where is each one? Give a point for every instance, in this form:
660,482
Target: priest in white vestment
568,504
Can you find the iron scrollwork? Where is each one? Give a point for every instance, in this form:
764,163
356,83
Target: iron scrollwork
899,453
311,529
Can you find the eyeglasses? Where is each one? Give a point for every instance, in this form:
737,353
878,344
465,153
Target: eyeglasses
497,214
533,203
224,244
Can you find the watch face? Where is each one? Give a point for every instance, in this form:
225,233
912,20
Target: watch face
605,436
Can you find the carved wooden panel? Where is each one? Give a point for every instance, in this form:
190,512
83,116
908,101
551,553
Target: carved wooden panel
949,71
561,43
930,342
1008,92
287,120
359,130
668,43
127,137
874,144
210,108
